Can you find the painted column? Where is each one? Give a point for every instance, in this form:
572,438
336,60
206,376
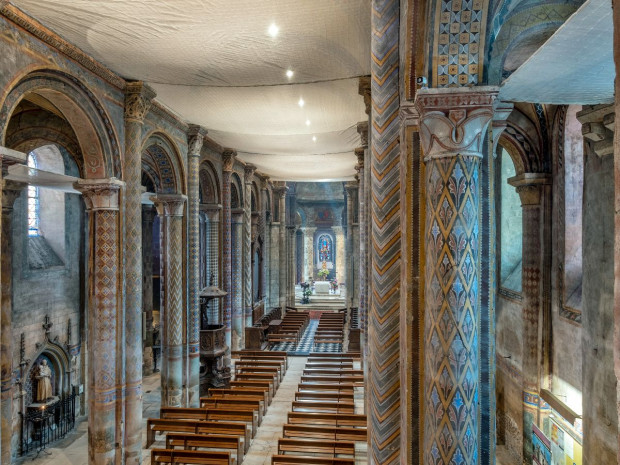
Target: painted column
453,124
228,160
266,246
340,252
195,138
170,211
10,192
148,215
309,253
291,251
248,173
349,277
280,193
531,190
137,103
238,288
212,255
101,197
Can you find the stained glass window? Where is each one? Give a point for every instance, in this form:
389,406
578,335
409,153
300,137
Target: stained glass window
325,248
33,203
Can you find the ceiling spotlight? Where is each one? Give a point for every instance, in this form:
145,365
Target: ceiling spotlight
307,122
273,30
289,73
313,138
301,102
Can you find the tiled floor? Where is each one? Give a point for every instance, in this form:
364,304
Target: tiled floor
73,450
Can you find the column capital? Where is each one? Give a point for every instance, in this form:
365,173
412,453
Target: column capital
529,187
499,123
228,159
138,97
10,191
195,138
360,153
351,187
362,130
100,194
280,191
598,127
248,172
169,204
364,91
236,215
453,120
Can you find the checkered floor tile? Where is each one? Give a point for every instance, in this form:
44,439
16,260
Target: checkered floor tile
306,345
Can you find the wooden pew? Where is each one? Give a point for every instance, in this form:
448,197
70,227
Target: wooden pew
340,387
235,404
248,415
334,365
201,457
267,357
265,377
193,441
259,369
355,355
358,380
332,419
300,446
334,433
332,371
242,392
162,425
265,361
317,406
307,460
254,384
324,395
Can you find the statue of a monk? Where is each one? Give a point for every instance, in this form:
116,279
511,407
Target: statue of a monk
44,385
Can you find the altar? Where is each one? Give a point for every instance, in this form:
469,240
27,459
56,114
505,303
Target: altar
322,287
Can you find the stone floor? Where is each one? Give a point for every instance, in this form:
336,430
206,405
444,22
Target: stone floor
73,450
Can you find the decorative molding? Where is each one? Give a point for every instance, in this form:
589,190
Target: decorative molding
529,187
280,191
598,127
195,139
138,99
169,204
360,153
165,113
364,89
100,194
228,159
362,130
52,39
510,294
499,123
248,172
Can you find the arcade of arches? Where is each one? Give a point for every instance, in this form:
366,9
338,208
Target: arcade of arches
453,169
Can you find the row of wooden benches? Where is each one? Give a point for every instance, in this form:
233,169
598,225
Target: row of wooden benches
322,427
228,418
330,329
291,329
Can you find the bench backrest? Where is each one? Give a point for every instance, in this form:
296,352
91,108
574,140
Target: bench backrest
316,447
336,419
306,460
220,441
190,457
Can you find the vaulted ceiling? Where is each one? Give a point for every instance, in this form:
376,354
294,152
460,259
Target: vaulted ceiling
223,65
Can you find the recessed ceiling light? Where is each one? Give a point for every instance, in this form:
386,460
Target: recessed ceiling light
273,30
289,73
313,138
307,122
301,102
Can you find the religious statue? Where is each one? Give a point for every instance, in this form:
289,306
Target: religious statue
44,385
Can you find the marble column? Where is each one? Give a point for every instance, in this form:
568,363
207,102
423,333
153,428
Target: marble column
228,161
11,190
308,253
170,211
349,277
195,138
101,197
137,103
148,215
280,192
248,173
453,124
238,319
533,194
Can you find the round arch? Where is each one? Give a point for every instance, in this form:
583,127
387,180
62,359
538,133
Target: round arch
161,161
209,184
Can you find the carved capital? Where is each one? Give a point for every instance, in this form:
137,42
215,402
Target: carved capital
11,190
364,91
280,191
99,194
501,113
453,121
169,204
248,172
360,153
195,138
228,159
138,97
530,187
362,130
598,127
351,188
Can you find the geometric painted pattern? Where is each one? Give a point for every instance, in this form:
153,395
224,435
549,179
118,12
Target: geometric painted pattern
459,42
384,309
451,311
228,161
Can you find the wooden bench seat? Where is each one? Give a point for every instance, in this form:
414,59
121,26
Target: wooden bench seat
248,415
255,384
324,432
333,419
307,460
355,379
308,446
334,371
335,365
355,355
199,457
259,369
233,404
266,377
277,358
162,425
340,387
203,441
324,395
323,406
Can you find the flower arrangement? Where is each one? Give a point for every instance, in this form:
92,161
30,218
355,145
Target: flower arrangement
306,293
323,273
335,284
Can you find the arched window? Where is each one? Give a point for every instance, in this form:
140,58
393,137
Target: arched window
33,202
511,228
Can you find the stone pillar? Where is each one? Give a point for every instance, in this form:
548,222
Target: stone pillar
248,172
148,215
195,138
10,192
280,192
340,265
453,124
266,247
291,262
600,418
137,103
228,160
309,253
170,211
101,197
212,255
238,318
349,278
533,193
